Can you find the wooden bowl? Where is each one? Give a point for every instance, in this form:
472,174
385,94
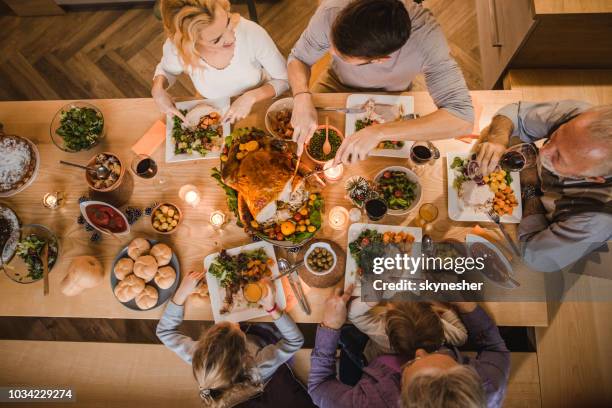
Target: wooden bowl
180,218
89,179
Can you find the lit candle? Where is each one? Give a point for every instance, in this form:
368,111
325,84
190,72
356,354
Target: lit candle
333,173
338,218
53,200
190,194
217,219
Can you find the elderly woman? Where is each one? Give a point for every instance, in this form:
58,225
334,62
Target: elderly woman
224,54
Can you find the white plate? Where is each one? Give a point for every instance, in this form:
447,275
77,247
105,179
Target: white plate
357,100
414,178
222,104
350,275
472,239
457,213
241,313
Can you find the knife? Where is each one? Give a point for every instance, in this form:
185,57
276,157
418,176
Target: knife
298,291
343,110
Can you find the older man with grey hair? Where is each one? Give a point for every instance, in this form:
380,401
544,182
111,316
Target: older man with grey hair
567,197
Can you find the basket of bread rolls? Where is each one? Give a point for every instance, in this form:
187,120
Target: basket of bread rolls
145,274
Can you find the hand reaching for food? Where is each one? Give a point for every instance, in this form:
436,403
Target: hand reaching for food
335,312
358,146
240,108
268,301
303,120
165,103
488,152
187,287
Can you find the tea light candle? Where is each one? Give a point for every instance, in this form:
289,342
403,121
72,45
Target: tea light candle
217,219
53,200
190,194
333,173
338,218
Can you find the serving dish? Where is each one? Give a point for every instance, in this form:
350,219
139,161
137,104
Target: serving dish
458,211
325,246
241,311
358,100
116,172
119,216
222,104
352,268
497,276
173,216
31,172
74,118
417,191
26,266
284,106
320,133
163,294
9,233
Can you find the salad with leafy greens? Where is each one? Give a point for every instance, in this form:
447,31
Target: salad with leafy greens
385,144
30,250
397,189
203,138
80,128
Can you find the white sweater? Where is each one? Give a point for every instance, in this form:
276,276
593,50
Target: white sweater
256,61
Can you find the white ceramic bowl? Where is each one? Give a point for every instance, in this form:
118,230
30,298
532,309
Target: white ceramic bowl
285,103
83,206
325,246
414,178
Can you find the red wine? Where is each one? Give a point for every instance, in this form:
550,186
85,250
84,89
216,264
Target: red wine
376,208
420,154
146,168
512,161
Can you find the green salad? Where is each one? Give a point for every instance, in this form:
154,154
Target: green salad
30,250
80,128
397,189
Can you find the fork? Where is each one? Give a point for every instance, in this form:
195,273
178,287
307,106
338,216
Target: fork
493,216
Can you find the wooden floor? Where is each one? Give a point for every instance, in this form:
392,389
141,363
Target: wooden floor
113,53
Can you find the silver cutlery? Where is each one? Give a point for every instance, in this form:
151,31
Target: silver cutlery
294,282
101,172
286,270
493,216
343,110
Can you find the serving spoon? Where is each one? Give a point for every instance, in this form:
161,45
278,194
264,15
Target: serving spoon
102,172
326,146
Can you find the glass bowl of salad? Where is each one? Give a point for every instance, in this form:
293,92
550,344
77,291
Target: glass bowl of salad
400,188
77,126
26,266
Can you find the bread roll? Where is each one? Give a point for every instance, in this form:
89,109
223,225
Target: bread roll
123,268
84,272
165,277
147,298
128,288
145,267
162,253
138,247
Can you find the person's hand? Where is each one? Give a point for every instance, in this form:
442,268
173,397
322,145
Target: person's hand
269,300
187,286
240,108
488,151
358,146
304,120
465,307
165,103
335,312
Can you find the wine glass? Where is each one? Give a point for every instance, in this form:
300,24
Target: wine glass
422,153
519,157
146,168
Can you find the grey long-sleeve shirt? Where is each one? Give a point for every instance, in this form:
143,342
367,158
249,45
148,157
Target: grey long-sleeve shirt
552,245
426,51
267,359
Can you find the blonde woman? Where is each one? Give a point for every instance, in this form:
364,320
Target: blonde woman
232,367
224,54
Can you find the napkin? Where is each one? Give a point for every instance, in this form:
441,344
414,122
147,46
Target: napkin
151,140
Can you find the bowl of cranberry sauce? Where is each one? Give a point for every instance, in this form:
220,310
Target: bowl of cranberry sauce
105,218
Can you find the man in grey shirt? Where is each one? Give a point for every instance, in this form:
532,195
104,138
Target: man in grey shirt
379,46
567,197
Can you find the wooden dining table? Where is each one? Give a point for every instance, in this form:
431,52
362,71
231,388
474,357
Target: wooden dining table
127,120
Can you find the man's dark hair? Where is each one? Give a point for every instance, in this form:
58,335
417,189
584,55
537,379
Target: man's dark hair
371,28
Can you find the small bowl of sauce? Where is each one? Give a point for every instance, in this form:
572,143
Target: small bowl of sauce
105,218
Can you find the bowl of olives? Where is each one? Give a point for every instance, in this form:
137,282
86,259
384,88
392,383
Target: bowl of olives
320,259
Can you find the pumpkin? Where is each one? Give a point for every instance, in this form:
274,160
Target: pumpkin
84,272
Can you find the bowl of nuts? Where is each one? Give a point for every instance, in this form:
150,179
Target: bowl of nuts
114,173
165,218
320,259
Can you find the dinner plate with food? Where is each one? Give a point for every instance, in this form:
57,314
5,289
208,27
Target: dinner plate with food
234,278
471,196
201,136
400,188
271,196
497,267
145,274
369,241
380,109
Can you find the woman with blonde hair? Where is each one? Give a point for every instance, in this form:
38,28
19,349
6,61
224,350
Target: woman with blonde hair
233,367
224,54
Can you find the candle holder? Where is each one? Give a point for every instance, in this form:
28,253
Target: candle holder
54,200
338,218
190,195
217,219
333,173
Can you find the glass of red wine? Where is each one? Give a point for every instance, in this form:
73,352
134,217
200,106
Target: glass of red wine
519,157
422,153
375,208
144,166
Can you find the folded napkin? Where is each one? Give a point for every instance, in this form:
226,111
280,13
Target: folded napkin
151,140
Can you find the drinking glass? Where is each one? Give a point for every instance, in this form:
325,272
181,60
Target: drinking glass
519,157
422,153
